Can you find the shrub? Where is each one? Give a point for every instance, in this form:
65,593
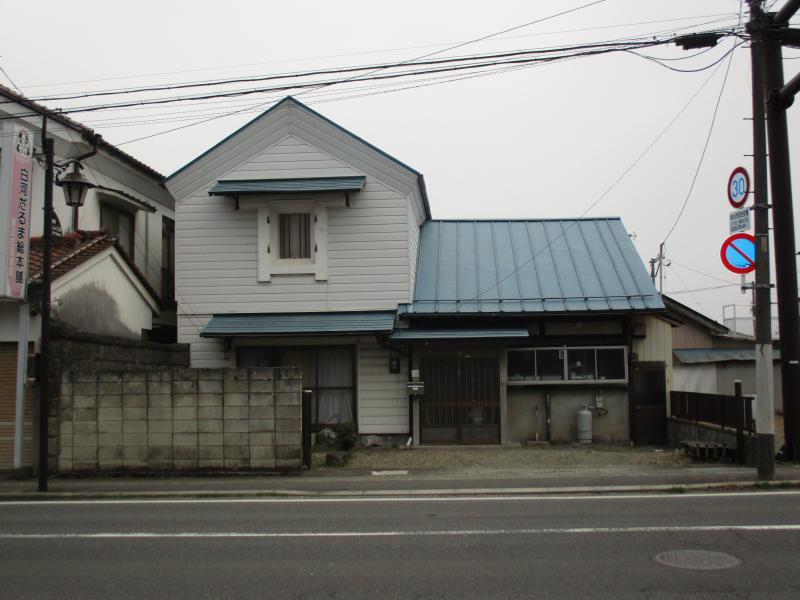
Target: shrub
347,433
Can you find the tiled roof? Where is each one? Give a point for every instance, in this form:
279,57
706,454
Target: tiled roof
74,249
59,117
530,266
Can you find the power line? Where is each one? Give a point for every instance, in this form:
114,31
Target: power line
708,138
608,190
387,50
676,263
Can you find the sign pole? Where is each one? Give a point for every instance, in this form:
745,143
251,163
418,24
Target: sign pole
44,356
765,403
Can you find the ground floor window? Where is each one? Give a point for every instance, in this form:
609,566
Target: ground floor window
328,371
582,364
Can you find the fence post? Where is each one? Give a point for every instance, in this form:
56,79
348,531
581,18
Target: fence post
306,428
739,412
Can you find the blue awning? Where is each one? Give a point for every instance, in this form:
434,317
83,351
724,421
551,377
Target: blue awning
298,324
410,335
244,187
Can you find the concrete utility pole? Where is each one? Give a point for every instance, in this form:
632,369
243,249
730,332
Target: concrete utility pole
774,33
765,405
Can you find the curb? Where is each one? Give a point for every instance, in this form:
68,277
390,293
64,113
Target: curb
731,486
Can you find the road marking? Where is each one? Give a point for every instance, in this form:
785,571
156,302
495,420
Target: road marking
416,498
420,533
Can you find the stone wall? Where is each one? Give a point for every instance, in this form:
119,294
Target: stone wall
180,420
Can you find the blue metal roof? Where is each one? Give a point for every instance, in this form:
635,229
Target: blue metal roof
530,266
496,333
241,187
276,324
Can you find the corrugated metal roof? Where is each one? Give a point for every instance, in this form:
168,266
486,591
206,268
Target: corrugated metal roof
530,266
496,333
714,355
262,325
288,186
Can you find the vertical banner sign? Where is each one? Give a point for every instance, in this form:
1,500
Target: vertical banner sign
19,208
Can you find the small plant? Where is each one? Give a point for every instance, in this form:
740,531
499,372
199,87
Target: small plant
347,434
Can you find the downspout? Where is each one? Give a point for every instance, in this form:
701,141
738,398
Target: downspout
410,397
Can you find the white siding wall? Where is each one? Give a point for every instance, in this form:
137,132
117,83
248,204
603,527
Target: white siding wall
204,353
217,260
656,345
382,396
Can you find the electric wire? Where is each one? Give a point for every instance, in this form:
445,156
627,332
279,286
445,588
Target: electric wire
608,190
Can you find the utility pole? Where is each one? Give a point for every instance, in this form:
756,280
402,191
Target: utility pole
774,33
765,406
658,270
44,356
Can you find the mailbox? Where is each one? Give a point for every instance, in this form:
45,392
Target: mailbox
416,388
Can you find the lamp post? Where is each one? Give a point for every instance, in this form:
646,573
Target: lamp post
75,188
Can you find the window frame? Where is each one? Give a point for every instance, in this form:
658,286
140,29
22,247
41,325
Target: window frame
117,212
564,357
268,220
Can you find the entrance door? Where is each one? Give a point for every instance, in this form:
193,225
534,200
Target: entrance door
649,403
462,401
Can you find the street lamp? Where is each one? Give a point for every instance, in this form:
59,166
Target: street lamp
75,186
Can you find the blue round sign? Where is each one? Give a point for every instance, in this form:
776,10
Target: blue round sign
738,253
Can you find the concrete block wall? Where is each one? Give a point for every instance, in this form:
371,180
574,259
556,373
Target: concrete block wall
180,420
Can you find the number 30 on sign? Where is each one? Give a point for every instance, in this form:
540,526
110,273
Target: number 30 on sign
738,187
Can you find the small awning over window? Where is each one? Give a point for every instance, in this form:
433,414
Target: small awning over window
498,333
298,324
288,186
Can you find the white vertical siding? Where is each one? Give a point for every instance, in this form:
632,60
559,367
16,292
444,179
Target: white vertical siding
382,396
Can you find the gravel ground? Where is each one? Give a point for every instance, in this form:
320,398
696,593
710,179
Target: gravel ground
499,459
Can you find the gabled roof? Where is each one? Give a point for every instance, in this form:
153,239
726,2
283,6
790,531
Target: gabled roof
288,100
74,249
685,314
87,132
530,266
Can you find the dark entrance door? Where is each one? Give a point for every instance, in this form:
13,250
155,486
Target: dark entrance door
462,400
649,403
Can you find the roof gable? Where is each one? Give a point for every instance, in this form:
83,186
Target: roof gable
289,121
530,266
291,157
75,249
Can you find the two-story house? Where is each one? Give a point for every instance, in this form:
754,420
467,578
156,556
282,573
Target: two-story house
112,259
299,243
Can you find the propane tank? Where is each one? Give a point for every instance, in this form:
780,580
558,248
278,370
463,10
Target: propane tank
584,428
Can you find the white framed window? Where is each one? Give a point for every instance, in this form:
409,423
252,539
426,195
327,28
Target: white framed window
293,237
580,364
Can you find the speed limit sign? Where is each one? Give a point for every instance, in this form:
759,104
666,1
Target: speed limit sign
738,187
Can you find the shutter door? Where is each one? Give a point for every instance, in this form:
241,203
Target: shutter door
8,383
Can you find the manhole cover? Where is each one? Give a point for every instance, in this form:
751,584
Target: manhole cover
701,560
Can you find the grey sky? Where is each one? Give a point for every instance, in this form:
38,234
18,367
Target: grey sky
545,141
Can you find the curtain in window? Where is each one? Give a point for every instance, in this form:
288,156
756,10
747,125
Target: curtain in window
335,386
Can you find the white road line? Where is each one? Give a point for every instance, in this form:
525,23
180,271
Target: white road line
349,499
421,533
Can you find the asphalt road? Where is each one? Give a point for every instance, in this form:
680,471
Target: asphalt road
512,547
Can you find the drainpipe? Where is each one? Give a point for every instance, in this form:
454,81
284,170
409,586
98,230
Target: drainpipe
410,397
547,416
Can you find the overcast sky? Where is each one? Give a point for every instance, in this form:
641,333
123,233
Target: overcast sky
542,141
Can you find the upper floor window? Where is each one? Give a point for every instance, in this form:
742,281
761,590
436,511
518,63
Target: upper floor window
120,223
295,235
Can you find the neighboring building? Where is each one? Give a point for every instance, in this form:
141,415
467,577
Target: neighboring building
709,357
299,243
129,203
